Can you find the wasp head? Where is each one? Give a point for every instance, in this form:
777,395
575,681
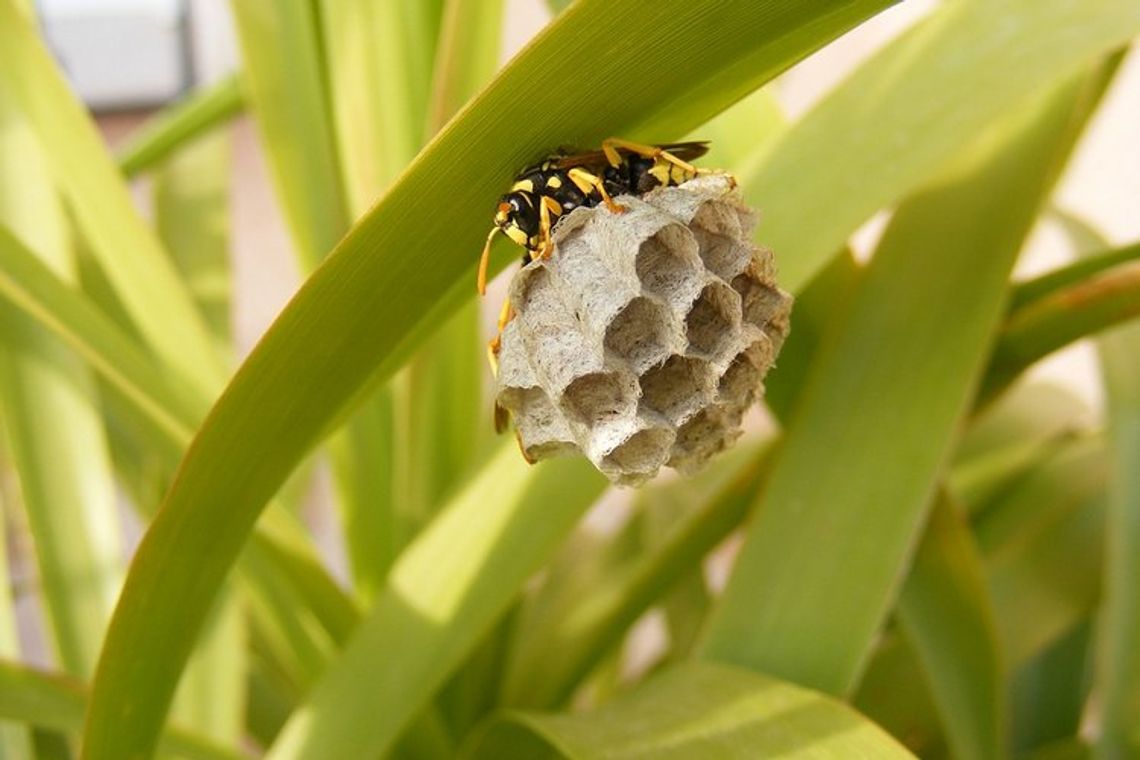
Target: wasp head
517,216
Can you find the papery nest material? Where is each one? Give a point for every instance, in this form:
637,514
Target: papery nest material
646,335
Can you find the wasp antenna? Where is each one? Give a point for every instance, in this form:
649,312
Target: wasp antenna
481,282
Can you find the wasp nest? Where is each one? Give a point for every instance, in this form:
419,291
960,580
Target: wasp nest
645,337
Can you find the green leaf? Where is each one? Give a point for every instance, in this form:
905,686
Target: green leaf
1008,440
945,613
129,253
740,131
58,702
805,601
211,693
1071,274
1052,322
819,309
190,208
585,608
695,710
281,52
1049,691
290,567
910,109
1119,647
448,419
467,55
895,693
380,58
1043,547
181,124
361,313
15,740
157,396
1067,749
192,217
441,597
172,409
50,408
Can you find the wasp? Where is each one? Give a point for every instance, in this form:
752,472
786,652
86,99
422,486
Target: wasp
543,193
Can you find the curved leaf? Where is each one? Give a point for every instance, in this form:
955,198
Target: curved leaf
181,123
128,252
910,109
695,710
50,409
1082,269
1052,322
805,601
945,613
582,615
1119,648
57,702
1043,546
396,274
441,597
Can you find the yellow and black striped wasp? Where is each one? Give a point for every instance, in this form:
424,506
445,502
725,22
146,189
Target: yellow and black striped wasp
543,193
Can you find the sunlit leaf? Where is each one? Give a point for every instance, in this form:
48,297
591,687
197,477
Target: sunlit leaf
911,109
58,702
695,710
441,597
51,414
805,601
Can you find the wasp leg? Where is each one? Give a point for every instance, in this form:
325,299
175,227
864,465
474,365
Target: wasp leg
481,279
547,208
587,182
506,314
522,450
611,144
502,417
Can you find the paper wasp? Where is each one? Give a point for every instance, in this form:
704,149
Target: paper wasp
541,194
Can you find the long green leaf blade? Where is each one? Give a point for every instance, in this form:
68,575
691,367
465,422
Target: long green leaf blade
1038,329
15,740
57,702
695,710
191,215
172,409
127,250
357,317
50,408
281,50
1025,293
442,595
583,618
805,601
1119,647
945,613
191,212
911,109
180,124
1044,546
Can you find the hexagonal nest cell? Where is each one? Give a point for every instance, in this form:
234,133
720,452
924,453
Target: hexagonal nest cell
646,335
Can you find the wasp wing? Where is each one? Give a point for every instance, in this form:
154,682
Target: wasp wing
686,151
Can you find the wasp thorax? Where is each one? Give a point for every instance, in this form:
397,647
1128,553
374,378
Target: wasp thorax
645,337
